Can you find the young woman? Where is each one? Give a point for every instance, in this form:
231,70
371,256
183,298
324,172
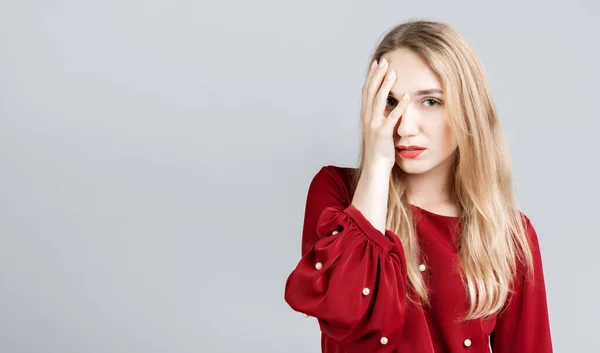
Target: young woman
422,248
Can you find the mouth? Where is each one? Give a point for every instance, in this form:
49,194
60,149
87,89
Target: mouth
411,147
409,152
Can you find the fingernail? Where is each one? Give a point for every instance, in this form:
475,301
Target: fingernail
374,64
391,75
382,62
406,96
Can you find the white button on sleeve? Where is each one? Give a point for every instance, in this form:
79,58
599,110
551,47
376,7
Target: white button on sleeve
318,265
334,232
384,340
366,291
467,342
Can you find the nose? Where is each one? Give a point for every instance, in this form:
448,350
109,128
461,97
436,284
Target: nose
408,124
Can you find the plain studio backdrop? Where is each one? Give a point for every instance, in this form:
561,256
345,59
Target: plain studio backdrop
155,158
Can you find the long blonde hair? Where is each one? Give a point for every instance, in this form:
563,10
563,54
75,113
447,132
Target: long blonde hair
493,235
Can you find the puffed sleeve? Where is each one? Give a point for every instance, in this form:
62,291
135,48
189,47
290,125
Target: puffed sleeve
351,277
524,326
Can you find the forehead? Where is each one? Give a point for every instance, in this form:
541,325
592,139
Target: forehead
412,71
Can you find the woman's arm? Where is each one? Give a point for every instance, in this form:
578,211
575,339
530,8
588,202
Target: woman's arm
524,325
371,195
351,276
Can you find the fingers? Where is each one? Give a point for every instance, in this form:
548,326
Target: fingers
382,95
365,88
371,86
389,123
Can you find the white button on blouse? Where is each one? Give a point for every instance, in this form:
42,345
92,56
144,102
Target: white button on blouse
467,342
366,291
422,267
318,265
334,232
384,340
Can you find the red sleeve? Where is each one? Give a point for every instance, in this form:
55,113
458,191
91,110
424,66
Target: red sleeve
351,277
524,327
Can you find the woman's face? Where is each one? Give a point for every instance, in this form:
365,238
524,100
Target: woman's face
425,120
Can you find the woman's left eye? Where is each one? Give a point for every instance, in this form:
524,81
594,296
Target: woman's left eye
433,101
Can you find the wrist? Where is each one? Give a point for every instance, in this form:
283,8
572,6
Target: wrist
375,168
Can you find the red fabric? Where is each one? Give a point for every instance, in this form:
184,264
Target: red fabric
359,256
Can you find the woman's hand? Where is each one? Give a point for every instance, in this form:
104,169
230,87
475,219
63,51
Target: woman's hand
378,130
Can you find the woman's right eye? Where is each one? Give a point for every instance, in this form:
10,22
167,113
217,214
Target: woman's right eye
392,102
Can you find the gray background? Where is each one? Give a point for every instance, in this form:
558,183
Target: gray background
156,155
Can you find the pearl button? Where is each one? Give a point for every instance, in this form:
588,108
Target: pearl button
422,267
384,340
366,291
467,342
334,232
318,265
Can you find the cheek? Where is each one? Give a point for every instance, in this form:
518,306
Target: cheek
444,138
449,137
438,127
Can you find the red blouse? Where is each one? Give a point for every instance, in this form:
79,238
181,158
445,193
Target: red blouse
353,279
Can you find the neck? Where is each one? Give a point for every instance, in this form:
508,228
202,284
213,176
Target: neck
432,188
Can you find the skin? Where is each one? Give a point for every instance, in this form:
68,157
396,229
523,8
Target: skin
424,122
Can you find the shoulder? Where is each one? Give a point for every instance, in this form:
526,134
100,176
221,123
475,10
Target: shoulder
529,230
336,174
534,252
335,178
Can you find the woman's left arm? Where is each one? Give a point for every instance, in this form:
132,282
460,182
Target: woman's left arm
524,325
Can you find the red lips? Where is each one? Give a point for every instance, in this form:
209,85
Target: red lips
411,147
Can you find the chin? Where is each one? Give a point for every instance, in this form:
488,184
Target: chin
412,167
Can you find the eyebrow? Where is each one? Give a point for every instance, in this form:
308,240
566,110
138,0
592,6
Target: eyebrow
422,92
